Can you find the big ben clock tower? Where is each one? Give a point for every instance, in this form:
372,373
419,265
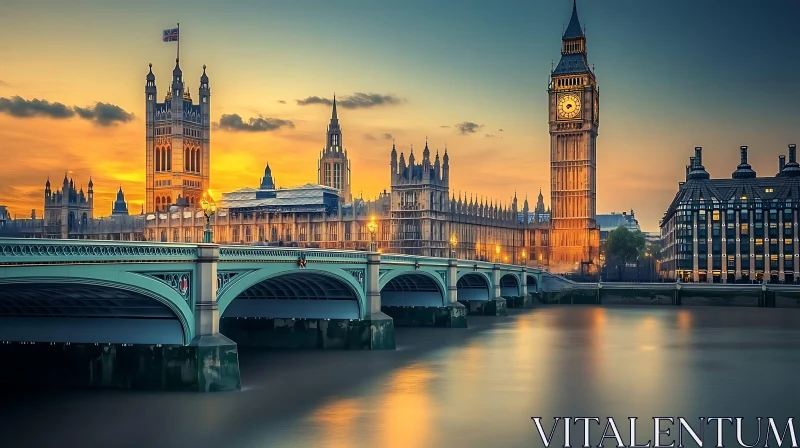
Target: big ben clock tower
573,121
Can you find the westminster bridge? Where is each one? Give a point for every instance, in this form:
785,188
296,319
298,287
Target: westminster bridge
170,315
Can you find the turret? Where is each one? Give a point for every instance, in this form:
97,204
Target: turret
698,171
393,162
267,182
205,109
744,170
91,189
445,168
781,164
792,168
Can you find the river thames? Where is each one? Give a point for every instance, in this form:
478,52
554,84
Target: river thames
476,387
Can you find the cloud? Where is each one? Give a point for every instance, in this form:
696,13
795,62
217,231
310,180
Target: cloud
104,114
468,127
233,122
22,108
281,102
101,113
357,100
489,136
385,136
445,126
500,130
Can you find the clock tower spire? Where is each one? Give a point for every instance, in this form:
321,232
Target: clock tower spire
573,123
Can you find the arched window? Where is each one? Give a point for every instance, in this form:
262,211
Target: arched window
169,201
163,159
186,161
194,160
197,155
169,158
158,203
158,159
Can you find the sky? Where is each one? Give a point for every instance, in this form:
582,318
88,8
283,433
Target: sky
471,75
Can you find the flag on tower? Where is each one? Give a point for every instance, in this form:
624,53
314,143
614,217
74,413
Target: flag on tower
171,35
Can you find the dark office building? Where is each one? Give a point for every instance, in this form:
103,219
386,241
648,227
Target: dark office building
741,229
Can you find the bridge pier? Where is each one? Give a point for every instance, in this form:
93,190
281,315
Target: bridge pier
212,354
451,315
523,301
495,306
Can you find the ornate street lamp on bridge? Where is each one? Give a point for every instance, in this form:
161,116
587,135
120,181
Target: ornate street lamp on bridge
524,258
453,244
372,226
209,208
497,253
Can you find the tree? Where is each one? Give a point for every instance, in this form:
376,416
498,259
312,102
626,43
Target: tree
623,245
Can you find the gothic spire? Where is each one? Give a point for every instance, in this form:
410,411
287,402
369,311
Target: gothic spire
334,115
574,29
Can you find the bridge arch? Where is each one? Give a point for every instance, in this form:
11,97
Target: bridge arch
412,288
306,293
533,284
135,309
473,286
510,285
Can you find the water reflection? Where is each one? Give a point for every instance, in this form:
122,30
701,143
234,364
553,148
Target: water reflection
452,387
405,411
337,421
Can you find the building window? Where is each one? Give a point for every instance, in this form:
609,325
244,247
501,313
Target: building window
769,190
332,232
302,233
715,215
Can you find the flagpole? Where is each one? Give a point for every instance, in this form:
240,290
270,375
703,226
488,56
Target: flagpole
179,41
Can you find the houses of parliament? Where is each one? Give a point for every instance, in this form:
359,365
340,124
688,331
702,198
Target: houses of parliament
417,215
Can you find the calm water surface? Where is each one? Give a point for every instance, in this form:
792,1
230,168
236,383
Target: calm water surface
450,387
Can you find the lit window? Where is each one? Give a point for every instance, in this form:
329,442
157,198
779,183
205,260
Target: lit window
769,190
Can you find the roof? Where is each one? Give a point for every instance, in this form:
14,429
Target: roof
758,189
574,29
305,196
572,64
615,220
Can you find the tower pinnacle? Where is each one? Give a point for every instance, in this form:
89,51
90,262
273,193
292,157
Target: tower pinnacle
574,29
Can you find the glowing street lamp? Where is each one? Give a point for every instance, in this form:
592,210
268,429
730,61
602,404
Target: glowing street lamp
372,226
497,253
209,208
453,244
524,258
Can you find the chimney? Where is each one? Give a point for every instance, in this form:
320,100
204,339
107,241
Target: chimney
692,162
698,156
743,151
781,163
792,153
687,170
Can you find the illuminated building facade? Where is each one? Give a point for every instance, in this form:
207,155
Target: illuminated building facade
178,153
574,121
741,229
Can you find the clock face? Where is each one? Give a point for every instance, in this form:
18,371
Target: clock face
569,106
